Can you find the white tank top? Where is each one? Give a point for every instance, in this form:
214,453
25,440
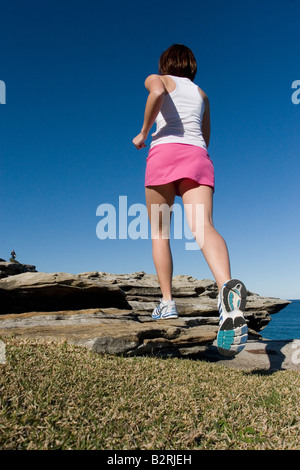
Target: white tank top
180,117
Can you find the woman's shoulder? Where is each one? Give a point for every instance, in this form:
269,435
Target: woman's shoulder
151,77
166,80
155,76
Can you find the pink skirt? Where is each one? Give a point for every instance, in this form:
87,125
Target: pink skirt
173,162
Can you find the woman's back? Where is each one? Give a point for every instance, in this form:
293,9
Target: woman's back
180,117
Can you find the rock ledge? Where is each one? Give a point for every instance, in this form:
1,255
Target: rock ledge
110,313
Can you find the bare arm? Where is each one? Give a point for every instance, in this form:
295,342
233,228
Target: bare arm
206,118
157,90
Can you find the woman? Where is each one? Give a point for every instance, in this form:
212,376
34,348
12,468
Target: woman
178,164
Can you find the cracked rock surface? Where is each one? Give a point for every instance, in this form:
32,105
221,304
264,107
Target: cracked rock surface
110,313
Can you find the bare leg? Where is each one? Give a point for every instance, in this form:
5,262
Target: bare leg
212,245
162,257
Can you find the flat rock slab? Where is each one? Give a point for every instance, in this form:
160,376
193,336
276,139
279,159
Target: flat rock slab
110,313
260,356
114,331
32,291
193,296
128,333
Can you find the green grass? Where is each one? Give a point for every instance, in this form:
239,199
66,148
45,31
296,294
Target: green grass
58,396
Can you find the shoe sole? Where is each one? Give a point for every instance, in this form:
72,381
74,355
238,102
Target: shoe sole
234,287
232,336
167,317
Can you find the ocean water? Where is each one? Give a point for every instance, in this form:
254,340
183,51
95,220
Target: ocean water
284,324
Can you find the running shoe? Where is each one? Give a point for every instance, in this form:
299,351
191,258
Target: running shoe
233,330
165,310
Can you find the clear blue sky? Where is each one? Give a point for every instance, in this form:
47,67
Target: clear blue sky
74,72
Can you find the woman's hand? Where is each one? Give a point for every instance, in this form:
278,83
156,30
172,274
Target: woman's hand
139,140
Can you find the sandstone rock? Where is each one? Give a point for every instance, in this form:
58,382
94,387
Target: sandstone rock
110,313
118,331
56,291
137,291
113,331
193,297
13,268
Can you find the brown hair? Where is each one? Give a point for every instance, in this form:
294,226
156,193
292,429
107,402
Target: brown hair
178,60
